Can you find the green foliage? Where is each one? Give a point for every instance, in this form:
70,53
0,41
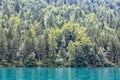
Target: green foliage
57,33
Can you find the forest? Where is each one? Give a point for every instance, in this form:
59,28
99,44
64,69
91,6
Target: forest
59,33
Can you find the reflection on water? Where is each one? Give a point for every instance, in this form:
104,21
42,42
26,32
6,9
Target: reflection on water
59,73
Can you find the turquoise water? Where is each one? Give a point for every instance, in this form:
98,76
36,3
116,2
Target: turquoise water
59,73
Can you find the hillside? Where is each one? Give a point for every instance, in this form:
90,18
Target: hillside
60,33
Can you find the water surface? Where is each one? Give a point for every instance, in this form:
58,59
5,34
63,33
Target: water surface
59,73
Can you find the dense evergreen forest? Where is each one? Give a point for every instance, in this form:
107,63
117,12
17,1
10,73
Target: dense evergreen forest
60,33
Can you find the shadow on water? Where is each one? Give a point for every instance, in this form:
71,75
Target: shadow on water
59,73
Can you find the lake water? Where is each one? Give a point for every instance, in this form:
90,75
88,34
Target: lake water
59,73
